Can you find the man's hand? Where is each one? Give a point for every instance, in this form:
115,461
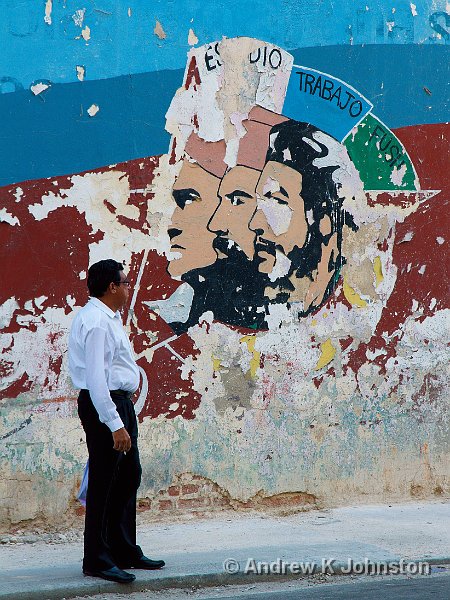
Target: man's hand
122,441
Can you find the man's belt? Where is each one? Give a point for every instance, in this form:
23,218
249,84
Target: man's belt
121,394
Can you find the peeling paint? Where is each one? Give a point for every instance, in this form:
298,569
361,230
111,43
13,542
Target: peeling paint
192,38
7,217
86,33
378,270
48,12
38,88
81,72
78,17
286,308
159,31
353,297
93,110
328,352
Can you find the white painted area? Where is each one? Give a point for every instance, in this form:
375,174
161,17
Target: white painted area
38,88
440,240
278,314
407,237
86,34
192,38
78,17
177,307
48,12
373,355
140,402
39,301
41,349
278,215
93,110
271,185
7,311
7,217
232,152
313,145
81,71
281,266
413,9
397,175
87,194
287,154
18,194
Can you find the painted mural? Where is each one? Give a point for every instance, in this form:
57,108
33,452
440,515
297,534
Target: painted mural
289,305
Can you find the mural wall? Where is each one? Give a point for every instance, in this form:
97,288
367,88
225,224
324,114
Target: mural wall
281,206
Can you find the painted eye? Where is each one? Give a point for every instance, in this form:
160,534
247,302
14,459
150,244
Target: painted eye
192,197
185,196
237,200
280,201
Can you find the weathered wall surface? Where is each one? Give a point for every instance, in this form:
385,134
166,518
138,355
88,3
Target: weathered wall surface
275,180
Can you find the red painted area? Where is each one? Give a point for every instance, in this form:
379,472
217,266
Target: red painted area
47,257
429,149
192,74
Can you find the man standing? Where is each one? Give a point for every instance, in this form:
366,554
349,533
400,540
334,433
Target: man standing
102,365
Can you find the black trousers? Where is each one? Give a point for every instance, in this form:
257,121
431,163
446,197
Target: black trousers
114,478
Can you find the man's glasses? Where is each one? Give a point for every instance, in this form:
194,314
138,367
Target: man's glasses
127,283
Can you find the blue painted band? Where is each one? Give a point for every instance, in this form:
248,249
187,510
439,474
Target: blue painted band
52,134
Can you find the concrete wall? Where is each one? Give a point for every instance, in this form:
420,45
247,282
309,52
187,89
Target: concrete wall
275,179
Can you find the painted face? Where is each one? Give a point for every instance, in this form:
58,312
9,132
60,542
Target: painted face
279,221
195,193
237,205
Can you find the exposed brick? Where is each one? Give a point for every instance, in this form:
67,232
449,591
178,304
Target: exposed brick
192,502
144,504
299,499
216,502
246,504
174,490
80,510
189,488
165,504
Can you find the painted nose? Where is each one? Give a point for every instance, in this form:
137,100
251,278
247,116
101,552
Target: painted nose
216,224
256,222
173,232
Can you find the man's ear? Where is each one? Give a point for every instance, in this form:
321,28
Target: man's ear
321,275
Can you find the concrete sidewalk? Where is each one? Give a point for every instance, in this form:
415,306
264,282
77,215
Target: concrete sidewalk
195,550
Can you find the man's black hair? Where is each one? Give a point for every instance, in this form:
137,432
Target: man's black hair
292,143
101,274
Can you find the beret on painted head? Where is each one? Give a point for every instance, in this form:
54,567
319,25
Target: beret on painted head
253,145
208,155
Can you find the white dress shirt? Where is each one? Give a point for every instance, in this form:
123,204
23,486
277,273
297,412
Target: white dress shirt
101,358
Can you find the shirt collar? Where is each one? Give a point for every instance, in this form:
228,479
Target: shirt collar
102,306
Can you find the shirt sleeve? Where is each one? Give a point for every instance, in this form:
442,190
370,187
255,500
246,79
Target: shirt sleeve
96,350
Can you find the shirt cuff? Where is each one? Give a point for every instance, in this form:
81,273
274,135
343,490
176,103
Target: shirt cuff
115,424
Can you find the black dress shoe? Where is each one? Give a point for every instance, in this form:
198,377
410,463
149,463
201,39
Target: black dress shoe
145,563
112,574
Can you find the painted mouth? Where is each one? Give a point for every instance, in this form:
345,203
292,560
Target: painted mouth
264,246
177,247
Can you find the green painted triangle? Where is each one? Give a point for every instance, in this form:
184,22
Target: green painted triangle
380,157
